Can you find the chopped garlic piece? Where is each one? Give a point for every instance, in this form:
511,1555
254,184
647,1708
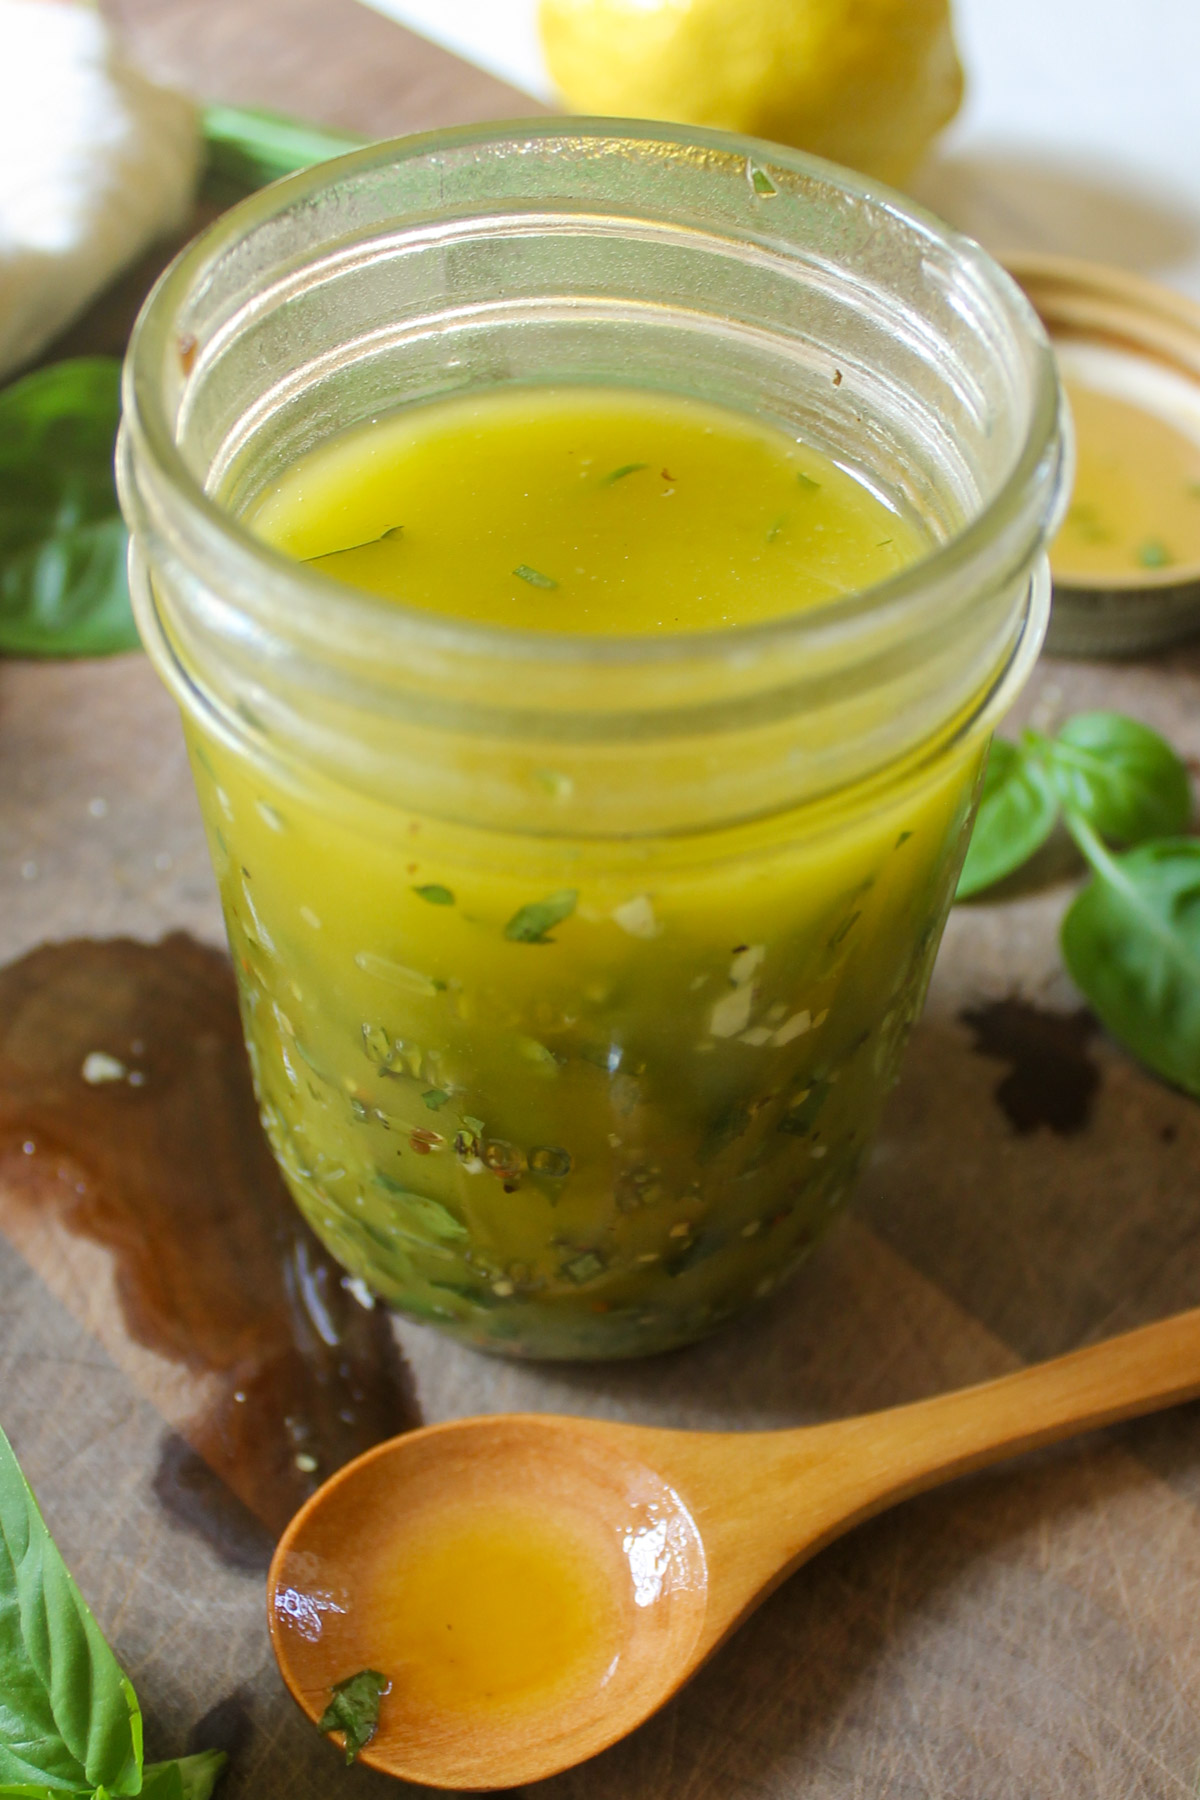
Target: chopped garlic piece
731,1013
794,1027
98,1066
95,163
746,963
636,917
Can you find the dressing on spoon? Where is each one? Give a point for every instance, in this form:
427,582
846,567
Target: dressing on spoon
535,1587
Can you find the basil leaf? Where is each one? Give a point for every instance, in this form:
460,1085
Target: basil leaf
187,1778
1017,811
67,596
69,1719
63,590
1131,942
354,1709
1121,777
249,148
530,924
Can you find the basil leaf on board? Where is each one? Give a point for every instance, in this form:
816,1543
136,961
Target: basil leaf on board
530,924
1121,777
69,1719
187,1778
1131,943
1017,812
354,1709
248,147
63,590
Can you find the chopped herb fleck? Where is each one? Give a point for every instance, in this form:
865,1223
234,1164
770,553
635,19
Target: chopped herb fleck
530,924
1153,554
698,1250
393,531
620,474
412,980
903,838
777,528
761,182
378,1045
354,1709
429,1217
724,1130
534,577
1084,519
472,1124
435,893
843,930
806,482
883,543
560,786
584,1268
435,1098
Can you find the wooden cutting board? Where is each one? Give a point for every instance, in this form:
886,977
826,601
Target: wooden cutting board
1030,1632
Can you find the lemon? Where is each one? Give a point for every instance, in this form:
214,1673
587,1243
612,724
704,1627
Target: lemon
863,82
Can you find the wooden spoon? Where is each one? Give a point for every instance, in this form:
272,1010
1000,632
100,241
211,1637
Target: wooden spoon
680,1533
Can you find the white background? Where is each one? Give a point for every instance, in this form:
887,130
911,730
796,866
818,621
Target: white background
1081,130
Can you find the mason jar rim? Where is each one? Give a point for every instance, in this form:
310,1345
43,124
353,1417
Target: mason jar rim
318,603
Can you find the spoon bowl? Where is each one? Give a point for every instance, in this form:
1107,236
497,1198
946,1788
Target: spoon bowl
534,1587
584,1526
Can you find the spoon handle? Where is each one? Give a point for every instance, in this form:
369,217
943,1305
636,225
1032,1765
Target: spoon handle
917,1446
783,1495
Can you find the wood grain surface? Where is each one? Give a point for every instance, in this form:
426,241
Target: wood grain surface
1028,1632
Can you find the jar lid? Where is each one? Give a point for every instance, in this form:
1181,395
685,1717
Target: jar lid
1124,340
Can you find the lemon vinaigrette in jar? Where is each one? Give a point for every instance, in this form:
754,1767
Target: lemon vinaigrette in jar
590,567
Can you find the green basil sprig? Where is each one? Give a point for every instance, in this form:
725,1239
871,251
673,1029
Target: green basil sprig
1131,938
70,1723
62,543
248,147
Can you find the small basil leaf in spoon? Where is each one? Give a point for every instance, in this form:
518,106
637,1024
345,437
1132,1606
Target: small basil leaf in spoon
1121,777
1017,811
354,1709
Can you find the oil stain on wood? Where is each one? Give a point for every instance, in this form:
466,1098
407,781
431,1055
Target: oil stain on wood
1051,1079
135,1177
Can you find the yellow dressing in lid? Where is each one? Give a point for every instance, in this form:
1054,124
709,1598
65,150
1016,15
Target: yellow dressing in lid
1126,562
1136,501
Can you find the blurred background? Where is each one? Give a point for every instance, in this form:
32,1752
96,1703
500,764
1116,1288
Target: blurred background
1079,132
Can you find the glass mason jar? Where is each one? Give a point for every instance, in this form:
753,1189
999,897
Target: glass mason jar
618,1087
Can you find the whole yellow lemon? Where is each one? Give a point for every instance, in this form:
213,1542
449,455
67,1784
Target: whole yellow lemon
863,82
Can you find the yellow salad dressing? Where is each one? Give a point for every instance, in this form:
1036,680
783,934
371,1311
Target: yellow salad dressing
581,1095
482,1609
